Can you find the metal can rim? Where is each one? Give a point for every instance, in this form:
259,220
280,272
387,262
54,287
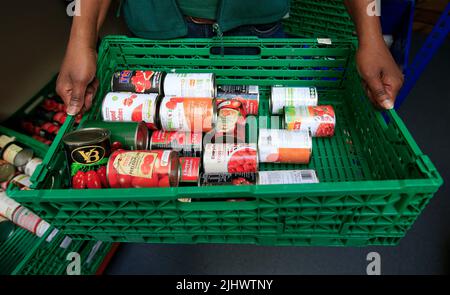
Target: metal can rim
104,135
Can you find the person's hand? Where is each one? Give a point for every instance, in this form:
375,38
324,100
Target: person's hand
381,76
76,83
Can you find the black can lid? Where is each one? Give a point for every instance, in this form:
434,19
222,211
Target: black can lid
86,136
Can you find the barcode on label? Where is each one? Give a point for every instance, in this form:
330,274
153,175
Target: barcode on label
308,176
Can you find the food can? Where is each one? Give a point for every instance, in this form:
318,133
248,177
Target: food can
7,171
132,135
230,127
32,165
187,144
131,107
87,146
230,158
137,81
140,169
190,171
188,114
320,121
42,228
219,179
287,177
247,95
26,219
6,229
5,140
282,146
190,85
22,181
7,206
17,155
292,97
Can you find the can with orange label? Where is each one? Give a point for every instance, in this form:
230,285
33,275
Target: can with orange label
230,127
320,121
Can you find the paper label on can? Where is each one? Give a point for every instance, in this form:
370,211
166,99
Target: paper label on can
227,120
230,158
238,89
4,140
186,114
293,97
287,177
319,121
42,228
31,166
11,152
284,146
66,242
165,158
139,164
129,107
189,85
22,179
88,154
26,219
189,169
7,206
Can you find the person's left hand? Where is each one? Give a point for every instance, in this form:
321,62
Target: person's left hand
381,76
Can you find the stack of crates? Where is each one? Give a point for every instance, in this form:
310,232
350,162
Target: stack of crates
374,179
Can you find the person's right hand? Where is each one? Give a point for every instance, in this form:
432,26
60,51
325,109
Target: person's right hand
76,83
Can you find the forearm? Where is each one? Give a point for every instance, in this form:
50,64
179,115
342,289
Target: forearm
86,26
368,27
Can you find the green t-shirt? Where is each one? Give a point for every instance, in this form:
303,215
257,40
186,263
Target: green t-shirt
199,8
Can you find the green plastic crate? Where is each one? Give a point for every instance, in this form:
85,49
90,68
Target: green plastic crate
319,19
375,181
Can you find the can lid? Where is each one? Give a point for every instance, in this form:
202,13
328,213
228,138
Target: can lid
23,157
6,171
141,138
86,136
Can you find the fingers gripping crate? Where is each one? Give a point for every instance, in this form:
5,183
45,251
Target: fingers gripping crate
375,181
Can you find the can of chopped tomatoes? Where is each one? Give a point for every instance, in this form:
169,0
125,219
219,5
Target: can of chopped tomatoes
190,171
247,95
218,179
230,158
131,135
292,97
131,107
230,127
143,169
320,121
187,114
187,144
282,146
137,81
190,85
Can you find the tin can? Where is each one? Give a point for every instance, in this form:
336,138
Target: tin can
287,177
190,85
230,127
190,171
140,169
22,181
7,206
137,81
282,146
188,114
26,219
320,121
219,179
292,97
7,171
247,95
5,140
132,135
6,229
131,107
87,146
17,155
187,144
230,158
32,165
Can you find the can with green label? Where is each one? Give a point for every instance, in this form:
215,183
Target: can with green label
132,135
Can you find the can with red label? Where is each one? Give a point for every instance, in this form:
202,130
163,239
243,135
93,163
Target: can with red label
247,95
190,171
137,81
190,85
230,127
141,169
187,114
30,221
320,121
282,97
218,179
283,146
230,158
187,144
131,107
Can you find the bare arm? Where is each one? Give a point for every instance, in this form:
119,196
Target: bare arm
76,81
382,77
